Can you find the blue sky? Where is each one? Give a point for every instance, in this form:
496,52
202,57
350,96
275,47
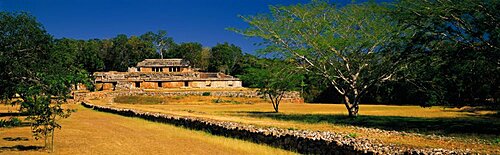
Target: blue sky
201,21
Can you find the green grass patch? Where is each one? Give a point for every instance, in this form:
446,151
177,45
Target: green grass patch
139,100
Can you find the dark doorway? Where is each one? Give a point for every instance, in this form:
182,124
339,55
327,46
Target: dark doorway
138,84
160,84
186,84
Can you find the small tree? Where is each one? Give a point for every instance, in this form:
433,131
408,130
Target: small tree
274,78
43,115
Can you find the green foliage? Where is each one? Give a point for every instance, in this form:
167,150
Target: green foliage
38,70
496,141
353,47
352,135
224,58
161,42
205,94
190,51
458,49
11,122
274,78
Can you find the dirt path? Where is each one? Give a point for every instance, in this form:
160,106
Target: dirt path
91,132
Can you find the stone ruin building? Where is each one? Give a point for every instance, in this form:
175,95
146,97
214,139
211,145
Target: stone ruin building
163,73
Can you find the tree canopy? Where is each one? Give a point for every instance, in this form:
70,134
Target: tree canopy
352,47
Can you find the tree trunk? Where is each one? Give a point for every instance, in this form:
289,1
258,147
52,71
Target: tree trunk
52,141
275,102
352,105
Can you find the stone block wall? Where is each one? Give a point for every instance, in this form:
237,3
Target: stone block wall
173,84
149,85
288,97
146,69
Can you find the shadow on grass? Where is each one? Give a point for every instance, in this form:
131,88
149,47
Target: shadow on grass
15,139
21,148
442,126
6,114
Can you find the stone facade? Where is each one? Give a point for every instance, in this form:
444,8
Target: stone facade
292,96
163,73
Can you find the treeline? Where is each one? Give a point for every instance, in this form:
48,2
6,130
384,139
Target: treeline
122,51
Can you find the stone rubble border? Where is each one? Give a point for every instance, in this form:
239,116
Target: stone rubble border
300,141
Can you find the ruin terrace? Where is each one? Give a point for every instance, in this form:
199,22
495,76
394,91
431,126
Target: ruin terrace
163,73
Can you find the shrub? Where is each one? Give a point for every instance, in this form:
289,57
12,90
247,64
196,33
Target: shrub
352,135
12,122
496,141
206,94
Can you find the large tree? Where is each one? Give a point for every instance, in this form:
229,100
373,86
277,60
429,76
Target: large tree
225,58
160,40
353,47
37,71
190,51
459,48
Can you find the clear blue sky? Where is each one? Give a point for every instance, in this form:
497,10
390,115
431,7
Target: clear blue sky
201,21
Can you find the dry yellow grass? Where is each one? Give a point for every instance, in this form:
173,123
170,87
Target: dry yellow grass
256,114
91,132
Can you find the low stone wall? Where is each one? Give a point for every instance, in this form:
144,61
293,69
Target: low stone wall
301,141
288,97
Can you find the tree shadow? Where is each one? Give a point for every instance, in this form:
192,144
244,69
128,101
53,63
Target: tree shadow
21,148
11,114
442,126
15,139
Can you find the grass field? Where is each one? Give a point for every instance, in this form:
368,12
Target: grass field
91,132
471,128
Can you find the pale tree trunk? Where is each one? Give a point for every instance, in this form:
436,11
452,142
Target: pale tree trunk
351,102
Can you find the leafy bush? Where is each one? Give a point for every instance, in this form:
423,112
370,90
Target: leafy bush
206,94
496,141
12,122
353,135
